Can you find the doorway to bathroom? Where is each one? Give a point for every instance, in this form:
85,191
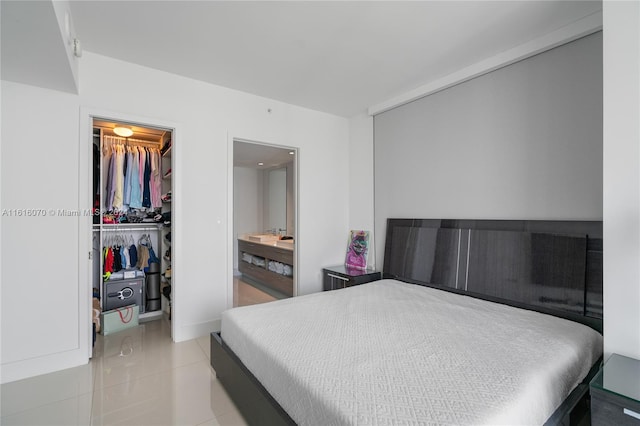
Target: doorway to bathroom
264,222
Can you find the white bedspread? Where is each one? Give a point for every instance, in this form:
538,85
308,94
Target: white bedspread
388,352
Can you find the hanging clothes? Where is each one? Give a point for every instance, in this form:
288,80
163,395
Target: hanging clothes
143,257
119,179
146,193
136,194
123,258
132,175
117,260
156,179
133,255
108,260
110,190
126,259
128,166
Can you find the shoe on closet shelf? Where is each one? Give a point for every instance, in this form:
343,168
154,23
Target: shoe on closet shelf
166,291
163,217
166,197
168,237
167,273
167,255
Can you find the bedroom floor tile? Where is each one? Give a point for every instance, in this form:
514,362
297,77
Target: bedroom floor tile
233,418
245,294
136,353
71,411
46,389
205,345
187,395
136,377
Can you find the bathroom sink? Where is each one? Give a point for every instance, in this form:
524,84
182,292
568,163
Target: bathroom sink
262,238
285,244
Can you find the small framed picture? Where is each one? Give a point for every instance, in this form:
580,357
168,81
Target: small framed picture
357,250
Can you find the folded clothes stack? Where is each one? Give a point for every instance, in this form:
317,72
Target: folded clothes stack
280,268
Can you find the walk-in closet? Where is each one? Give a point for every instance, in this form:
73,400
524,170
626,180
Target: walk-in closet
131,215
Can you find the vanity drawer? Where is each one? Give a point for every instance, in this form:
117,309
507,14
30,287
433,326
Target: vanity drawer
266,251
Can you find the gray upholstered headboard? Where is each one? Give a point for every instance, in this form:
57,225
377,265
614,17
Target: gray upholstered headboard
553,267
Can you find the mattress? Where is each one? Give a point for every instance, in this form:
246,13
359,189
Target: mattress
388,352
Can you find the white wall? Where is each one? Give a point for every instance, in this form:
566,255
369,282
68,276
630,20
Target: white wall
361,181
621,178
40,254
521,142
247,205
62,10
40,128
208,116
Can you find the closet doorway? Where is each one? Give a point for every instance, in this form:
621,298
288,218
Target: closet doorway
265,217
131,225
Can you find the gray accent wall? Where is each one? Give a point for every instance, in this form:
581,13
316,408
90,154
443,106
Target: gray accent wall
521,142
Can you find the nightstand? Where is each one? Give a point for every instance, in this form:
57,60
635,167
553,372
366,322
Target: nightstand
615,392
335,277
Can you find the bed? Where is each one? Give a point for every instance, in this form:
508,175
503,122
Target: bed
475,322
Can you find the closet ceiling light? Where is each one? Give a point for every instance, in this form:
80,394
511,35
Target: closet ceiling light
291,152
125,132
261,164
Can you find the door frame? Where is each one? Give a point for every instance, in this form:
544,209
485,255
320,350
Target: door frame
85,159
231,214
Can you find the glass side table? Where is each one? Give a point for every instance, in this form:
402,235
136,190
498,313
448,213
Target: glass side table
336,277
615,392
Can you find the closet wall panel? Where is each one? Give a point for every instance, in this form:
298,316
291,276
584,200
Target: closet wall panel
521,142
40,253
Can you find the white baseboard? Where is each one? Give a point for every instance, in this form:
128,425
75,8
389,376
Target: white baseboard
194,331
18,370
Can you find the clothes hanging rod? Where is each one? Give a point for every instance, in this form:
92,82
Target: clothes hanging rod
148,228
126,224
132,141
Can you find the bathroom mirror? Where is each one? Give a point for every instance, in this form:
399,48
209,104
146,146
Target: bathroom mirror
264,191
275,209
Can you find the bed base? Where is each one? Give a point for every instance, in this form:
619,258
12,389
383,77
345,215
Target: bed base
527,259
575,410
258,407
253,401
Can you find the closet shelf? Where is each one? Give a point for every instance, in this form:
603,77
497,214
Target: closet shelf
167,176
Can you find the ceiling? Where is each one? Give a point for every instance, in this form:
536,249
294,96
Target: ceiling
339,57
248,155
32,46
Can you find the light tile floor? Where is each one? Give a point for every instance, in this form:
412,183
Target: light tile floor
245,293
137,377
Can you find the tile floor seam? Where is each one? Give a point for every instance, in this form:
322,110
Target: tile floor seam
37,407
147,375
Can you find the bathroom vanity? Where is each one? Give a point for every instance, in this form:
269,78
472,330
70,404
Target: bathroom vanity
267,260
